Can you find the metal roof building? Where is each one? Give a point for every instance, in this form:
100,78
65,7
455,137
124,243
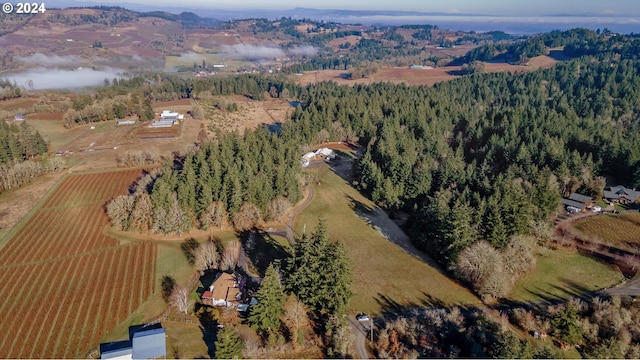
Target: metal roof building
149,344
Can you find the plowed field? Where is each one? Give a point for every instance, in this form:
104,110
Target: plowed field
64,283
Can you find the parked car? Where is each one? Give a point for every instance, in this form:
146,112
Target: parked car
362,317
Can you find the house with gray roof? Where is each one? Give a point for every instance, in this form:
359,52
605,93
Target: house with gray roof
622,195
578,201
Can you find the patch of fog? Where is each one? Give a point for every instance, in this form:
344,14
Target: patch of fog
306,50
46,78
253,52
42,60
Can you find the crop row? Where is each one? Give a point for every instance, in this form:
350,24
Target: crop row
65,230
66,306
64,283
615,229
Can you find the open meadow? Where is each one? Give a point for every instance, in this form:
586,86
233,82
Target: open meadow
385,277
65,283
562,273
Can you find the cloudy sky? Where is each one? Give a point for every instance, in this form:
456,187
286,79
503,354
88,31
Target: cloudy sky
489,7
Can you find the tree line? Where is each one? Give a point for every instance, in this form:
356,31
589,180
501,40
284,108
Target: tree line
239,179
20,142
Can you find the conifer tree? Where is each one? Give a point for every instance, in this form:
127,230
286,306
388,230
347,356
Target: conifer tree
319,272
265,315
228,345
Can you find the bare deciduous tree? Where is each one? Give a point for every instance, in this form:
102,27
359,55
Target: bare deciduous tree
230,255
207,256
247,217
118,210
295,317
215,215
278,208
518,255
323,136
482,266
180,299
141,215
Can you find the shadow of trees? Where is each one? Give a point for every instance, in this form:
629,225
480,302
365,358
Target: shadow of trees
261,249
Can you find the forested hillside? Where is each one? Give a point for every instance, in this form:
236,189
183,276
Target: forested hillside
575,42
485,156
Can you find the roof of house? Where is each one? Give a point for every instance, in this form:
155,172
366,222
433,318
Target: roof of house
149,344
573,203
224,288
580,198
617,192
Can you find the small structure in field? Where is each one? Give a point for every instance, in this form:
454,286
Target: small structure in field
167,119
126,122
19,117
325,153
622,195
306,158
145,342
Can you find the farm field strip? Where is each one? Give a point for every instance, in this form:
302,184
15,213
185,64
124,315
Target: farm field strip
52,292
21,311
52,322
94,304
613,228
72,282
99,263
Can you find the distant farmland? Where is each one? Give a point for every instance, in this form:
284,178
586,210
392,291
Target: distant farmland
64,283
615,229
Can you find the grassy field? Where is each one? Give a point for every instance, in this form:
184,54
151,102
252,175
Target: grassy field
385,276
615,229
564,273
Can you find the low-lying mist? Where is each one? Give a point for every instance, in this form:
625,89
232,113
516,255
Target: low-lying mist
55,78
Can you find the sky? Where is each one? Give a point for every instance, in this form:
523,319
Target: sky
488,7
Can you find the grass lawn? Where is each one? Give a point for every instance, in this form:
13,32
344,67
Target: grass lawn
185,341
563,273
384,275
55,134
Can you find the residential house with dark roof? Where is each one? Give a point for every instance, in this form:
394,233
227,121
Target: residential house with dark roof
621,194
578,201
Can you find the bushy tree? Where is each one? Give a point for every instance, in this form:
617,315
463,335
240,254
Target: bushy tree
247,217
